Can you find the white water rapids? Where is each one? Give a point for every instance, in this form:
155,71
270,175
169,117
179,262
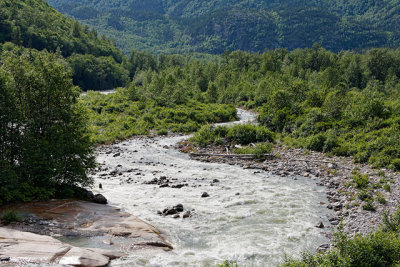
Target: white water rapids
252,217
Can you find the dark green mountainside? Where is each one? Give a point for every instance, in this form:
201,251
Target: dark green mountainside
33,24
179,26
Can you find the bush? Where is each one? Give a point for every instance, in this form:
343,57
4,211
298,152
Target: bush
368,205
228,263
380,248
387,188
245,134
259,150
364,195
395,164
361,180
316,142
9,216
205,136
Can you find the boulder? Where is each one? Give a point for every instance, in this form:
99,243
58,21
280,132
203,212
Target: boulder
83,257
99,199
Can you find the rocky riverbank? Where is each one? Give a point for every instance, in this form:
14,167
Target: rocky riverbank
336,174
46,230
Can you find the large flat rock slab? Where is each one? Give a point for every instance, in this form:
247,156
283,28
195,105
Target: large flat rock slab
23,248
103,229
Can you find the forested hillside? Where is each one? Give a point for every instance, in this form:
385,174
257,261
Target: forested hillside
35,24
214,26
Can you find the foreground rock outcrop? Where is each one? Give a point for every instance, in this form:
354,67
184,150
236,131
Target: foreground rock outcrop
23,248
101,226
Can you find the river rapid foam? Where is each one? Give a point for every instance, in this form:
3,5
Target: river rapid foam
251,216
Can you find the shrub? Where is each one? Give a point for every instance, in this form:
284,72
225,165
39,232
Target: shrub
369,205
245,134
391,222
228,263
162,132
380,248
259,150
205,136
9,216
395,164
316,142
387,188
361,180
381,198
364,195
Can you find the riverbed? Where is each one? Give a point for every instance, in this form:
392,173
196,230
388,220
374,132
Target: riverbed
251,216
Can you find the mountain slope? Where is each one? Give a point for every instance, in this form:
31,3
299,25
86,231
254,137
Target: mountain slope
35,24
216,25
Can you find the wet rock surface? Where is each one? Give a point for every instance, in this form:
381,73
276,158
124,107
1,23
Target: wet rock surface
23,248
108,230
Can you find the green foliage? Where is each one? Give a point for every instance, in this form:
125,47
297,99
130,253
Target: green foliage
380,248
228,263
9,216
213,26
387,188
245,134
43,131
381,198
361,180
34,24
391,222
242,134
97,73
368,205
115,117
258,150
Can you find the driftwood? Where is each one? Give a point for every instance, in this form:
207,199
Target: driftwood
238,156
251,156
310,160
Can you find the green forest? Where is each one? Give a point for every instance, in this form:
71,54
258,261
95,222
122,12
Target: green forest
334,96
213,26
345,104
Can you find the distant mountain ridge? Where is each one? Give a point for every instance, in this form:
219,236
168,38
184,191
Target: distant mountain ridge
212,26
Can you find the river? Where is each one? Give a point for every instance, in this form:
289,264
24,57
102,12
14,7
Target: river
251,216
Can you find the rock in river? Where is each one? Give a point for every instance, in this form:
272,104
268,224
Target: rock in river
100,199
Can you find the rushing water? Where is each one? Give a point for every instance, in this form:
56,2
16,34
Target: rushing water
252,217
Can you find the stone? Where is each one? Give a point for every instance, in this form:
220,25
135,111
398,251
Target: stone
99,199
205,194
170,212
176,216
186,214
177,186
179,208
112,254
100,186
83,257
320,225
215,181
117,155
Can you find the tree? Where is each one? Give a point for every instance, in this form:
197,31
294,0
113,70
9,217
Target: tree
44,141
